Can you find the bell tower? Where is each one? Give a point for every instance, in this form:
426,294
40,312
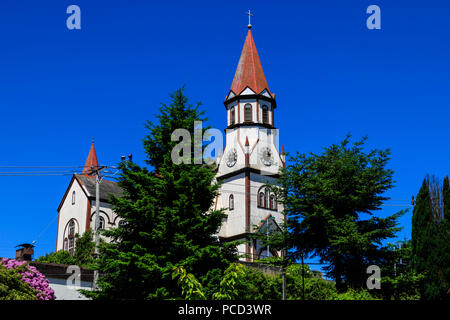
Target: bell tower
251,158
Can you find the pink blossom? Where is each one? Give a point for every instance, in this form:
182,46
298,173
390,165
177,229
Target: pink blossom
33,277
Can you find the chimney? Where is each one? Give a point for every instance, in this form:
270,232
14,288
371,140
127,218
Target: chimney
25,253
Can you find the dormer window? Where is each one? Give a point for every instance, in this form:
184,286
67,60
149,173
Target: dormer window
265,114
232,115
248,112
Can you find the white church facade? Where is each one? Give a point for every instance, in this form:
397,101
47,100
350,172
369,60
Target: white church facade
251,159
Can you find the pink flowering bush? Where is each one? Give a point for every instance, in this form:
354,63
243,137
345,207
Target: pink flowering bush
33,277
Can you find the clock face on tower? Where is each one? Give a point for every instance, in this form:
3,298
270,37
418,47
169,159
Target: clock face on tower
231,157
266,156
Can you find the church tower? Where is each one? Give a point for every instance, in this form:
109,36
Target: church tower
251,158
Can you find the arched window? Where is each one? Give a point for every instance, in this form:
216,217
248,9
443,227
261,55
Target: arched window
231,202
265,114
232,115
65,244
101,223
272,202
73,197
261,200
248,112
71,245
71,228
267,198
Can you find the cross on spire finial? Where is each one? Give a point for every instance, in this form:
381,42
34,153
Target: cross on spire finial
249,16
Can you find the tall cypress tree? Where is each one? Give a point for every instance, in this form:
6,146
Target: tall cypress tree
168,221
422,216
430,240
446,198
444,245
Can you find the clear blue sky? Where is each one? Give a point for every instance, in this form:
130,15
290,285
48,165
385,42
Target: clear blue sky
331,75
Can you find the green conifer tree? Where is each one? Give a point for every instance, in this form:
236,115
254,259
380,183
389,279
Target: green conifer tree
328,197
430,240
444,245
168,218
422,216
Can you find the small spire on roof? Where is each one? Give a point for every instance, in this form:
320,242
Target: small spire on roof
91,161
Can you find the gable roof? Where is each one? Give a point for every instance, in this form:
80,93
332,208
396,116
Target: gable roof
107,188
267,221
87,184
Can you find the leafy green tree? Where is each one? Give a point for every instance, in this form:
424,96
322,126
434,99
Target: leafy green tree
399,281
191,289
84,249
326,199
59,257
302,284
168,218
238,282
232,275
352,294
247,283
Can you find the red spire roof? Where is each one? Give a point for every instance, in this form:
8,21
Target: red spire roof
91,161
249,72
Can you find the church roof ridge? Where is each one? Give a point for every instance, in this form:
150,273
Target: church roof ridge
107,187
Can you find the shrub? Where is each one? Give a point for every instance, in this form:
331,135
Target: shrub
352,294
12,287
31,276
59,257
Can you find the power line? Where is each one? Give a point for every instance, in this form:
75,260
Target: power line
46,228
39,167
41,173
